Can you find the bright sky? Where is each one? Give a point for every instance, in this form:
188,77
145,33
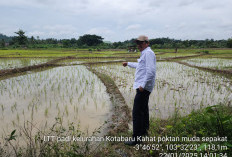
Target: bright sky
118,20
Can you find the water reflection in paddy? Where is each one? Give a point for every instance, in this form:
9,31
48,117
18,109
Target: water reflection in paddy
72,93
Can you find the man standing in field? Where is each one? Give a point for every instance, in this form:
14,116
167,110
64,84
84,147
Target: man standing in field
144,84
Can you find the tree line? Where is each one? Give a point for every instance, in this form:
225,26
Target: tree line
96,42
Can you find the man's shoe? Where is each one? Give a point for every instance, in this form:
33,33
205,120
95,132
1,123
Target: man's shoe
131,143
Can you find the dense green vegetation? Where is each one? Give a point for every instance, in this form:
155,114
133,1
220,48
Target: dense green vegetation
63,52
213,121
96,42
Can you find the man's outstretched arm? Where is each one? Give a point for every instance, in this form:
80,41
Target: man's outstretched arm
130,64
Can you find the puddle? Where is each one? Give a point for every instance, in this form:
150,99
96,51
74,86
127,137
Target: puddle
177,87
72,93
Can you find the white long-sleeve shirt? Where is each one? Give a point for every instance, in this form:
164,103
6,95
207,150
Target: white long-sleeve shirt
145,70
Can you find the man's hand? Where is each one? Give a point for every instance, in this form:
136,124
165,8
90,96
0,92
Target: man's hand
124,64
141,89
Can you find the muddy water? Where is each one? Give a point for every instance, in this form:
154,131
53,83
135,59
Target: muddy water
10,63
71,93
178,88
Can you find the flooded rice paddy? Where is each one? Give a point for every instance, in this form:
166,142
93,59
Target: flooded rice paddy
11,63
177,87
76,95
173,55
71,93
214,63
90,60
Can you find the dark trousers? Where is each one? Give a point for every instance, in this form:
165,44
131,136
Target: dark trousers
141,113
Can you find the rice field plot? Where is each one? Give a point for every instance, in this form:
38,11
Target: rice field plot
178,88
101,60
70,61
127,54
197,50
158,53
215,63
50,53
90,60
11,63
70,93
103,53
174,55
117,57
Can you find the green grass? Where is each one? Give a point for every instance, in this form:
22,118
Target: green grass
189,50
36,53
212,121
57,53
104,53
167,55
209,53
